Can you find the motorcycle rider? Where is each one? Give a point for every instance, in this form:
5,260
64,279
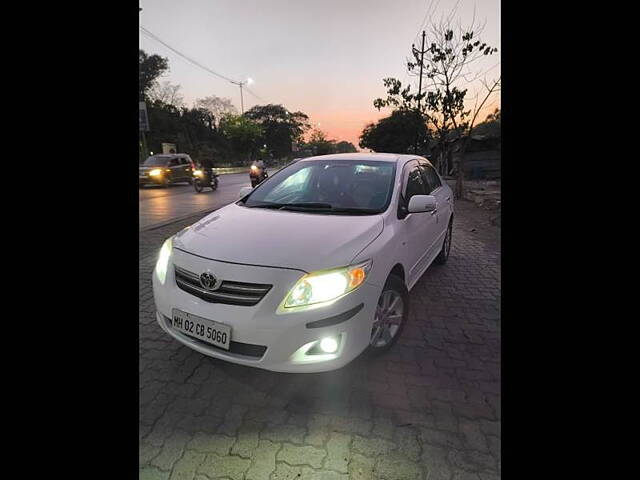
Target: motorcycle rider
207,165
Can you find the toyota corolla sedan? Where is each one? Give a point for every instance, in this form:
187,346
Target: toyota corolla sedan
309,269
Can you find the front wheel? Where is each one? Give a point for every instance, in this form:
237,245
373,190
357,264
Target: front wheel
197,185
214,184
391,316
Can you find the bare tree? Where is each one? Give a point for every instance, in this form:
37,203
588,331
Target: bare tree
449,66
217,106
167,93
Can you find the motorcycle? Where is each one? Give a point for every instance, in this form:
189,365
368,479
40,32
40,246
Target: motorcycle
257,175
204,178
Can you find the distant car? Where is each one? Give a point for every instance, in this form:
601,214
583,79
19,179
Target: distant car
166,169
310,268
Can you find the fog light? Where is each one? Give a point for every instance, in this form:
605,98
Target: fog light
329,345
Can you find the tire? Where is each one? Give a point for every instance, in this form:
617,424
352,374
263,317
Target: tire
214,184
254,183
396,295
197,185
443,256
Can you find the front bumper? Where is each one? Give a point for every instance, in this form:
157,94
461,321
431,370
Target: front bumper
148,180
260,327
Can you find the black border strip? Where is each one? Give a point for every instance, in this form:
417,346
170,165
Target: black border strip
343,317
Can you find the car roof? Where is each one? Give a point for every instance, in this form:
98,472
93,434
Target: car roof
385,157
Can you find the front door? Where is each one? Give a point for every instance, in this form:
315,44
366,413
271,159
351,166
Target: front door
443,202
419,227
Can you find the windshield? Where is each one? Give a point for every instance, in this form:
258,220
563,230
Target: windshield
155,161
328,186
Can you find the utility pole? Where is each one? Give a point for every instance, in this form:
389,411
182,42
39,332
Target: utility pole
420,86
240,84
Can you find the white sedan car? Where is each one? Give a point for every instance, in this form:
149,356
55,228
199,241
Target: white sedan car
309,269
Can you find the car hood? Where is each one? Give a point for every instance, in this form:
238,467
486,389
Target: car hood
279,238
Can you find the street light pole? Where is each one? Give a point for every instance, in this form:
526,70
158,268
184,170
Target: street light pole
241,99
240,84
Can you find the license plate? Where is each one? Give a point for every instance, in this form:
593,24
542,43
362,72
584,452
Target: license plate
208,331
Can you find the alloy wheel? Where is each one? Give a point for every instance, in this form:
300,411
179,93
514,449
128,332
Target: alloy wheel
389,314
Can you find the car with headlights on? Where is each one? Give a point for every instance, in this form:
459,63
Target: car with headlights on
309,269
166,169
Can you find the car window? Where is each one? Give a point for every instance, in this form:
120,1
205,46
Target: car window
173,162
290,186
342,184
155,162
415,183
431,177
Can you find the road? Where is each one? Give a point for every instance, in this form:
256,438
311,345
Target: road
427,410
159,205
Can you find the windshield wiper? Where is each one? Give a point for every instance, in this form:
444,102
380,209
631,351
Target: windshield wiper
327,208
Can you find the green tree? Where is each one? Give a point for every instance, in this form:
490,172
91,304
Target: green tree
397,133
150,67
280,127
345,147
243,134
319,144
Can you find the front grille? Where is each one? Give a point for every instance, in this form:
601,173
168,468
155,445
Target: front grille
229,293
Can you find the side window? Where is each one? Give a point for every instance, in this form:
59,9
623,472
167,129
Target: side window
431,178
415,183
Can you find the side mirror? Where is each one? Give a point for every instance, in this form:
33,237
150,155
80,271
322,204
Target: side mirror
245,191
422,203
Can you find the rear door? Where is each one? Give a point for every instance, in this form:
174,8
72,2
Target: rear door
176,169
186,168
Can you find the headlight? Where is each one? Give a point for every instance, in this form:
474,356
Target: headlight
197,173
326,285
254,168
163,260
155,172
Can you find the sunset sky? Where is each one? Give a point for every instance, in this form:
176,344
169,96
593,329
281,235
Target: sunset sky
325,58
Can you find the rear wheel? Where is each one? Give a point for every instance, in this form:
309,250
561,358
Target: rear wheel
391,316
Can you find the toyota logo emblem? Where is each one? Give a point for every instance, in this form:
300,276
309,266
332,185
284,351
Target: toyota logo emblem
208,281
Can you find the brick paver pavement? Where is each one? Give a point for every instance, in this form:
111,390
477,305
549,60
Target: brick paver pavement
429,409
